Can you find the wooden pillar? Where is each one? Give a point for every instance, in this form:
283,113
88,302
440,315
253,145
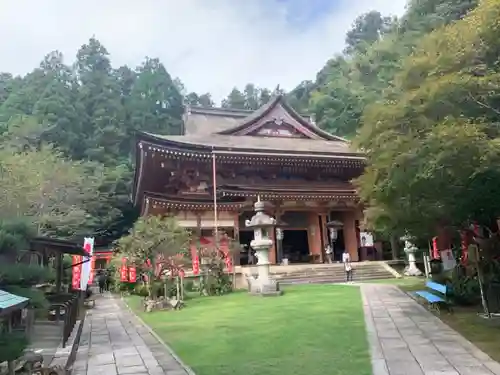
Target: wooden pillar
314,236
326,235
272,250
237,252
59,271
350,237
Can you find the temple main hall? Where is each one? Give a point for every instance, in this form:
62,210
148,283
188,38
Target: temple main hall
210,176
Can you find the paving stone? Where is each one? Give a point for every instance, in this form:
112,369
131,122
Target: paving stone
493,366
398,355
473,370
132,370
404,368
129,360
379,367
102,370
117,343
406,339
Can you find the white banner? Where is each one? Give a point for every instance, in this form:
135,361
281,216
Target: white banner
88,245
448,260
366,239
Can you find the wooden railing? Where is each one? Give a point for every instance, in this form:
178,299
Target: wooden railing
65,308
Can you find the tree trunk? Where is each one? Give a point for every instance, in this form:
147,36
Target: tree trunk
394,247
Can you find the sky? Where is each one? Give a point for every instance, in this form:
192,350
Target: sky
211,45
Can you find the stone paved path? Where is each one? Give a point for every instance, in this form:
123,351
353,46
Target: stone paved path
114,342
406,339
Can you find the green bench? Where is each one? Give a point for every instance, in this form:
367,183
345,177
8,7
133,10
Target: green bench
436,296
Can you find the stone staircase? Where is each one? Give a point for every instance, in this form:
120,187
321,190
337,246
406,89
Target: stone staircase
333,273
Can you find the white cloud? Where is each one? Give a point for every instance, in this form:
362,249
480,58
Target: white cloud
211,45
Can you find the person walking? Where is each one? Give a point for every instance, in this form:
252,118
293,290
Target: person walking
346,259
101,280
329,253
107,281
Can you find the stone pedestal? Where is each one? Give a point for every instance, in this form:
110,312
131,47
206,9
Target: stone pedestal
262,224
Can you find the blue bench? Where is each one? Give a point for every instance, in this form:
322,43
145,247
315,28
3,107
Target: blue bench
436,296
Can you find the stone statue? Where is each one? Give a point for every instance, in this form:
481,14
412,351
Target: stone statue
410,250
261,223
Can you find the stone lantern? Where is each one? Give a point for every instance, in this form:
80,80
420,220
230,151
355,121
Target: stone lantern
262,224
410,250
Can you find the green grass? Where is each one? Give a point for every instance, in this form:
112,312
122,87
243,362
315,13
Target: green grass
312,329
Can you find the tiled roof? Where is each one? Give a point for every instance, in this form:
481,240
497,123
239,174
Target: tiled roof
9,301
199,120
252,143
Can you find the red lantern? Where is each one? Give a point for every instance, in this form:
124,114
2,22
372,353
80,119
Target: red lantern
132,274
464,246
224,248
77,272
435,250
123,271
195,259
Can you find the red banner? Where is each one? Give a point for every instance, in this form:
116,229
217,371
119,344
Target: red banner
195,259
124,271
435,250
224,247
77,272
464,246
132,274
92,269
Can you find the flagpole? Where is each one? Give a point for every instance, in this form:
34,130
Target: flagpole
214,183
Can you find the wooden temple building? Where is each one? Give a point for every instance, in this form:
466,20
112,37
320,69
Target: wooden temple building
210,176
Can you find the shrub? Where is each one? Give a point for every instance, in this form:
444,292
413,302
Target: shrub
12,344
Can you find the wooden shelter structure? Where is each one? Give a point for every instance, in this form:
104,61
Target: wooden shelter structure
10,304
210,176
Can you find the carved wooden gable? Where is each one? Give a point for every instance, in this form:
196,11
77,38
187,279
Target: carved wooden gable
278,119
278,122
277,128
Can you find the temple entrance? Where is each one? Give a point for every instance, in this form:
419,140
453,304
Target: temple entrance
296,245
246,255
338,246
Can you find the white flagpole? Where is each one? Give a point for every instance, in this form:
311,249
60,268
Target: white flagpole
214,183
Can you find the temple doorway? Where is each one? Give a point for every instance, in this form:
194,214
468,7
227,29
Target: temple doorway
246,254
296,245
338,246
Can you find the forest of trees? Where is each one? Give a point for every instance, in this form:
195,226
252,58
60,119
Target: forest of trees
82,118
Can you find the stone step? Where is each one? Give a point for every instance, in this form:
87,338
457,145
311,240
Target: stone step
330,273
330,280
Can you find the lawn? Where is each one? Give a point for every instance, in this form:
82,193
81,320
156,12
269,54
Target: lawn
312,329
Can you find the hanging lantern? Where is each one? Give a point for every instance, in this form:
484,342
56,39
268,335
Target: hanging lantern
435,249
124,271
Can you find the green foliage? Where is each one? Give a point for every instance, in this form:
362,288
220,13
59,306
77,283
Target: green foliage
14,236
24,275
366,30
431,144
84,117
154,236
464,289
12,345
159,240
48,188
